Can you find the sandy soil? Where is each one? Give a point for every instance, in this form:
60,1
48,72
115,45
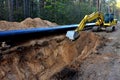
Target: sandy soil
41,59
101,66
93,56
27,23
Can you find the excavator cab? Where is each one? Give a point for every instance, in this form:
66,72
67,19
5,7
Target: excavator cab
109,22
108,18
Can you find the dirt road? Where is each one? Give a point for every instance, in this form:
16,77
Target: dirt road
112,45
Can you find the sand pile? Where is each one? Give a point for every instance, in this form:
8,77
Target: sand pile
37,22
27,23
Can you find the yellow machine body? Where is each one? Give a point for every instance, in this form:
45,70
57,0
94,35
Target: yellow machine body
101,22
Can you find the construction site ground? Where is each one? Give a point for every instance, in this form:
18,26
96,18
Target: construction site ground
93,56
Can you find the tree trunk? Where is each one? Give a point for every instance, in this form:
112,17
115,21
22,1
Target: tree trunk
41,5
38,8
98,5
26,5
10,9
17,4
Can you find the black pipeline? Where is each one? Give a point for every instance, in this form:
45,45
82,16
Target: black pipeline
23,34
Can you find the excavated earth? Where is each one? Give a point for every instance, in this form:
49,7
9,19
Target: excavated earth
57,58
27,23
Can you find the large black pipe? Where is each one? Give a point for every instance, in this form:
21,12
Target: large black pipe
16,35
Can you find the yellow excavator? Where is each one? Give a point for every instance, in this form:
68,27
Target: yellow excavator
108,22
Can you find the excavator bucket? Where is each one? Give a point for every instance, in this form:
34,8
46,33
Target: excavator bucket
72,35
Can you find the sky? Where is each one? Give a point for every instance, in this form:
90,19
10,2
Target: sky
118,3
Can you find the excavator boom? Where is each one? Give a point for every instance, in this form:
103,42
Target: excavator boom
89,18
72,35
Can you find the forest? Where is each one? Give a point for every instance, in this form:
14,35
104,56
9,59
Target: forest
59,11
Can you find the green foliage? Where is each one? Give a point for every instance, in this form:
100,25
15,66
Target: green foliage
2,11
76,12
59,11
66,13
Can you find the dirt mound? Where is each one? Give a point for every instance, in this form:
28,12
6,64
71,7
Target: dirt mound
27,23
37,22
42,58
4,25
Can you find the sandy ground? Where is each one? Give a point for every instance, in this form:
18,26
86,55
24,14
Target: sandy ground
113,43
27,23
93,56
101,66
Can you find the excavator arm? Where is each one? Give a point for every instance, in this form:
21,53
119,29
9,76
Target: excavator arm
88,18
